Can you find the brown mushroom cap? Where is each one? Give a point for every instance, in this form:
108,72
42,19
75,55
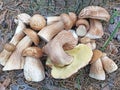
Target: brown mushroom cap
9,47
33,35
96,55
37,22
95,12
67,21
73,17
33,52
85,40
83,22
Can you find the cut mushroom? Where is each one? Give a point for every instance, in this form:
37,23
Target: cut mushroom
48,32
4,55
82,54
37,22
82,27
94,12
60,58
96,70
33,68
108,64
96,29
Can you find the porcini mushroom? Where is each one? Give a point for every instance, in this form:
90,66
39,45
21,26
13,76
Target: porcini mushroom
37,22
95,12
87,41
82,54
53,19
48,32
108,64
97,71
96,68
60,58
4,55
96,29
25,18
82,27
33,68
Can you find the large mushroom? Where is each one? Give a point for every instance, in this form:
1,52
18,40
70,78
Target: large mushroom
4,55
48,32
33,68
64,39
94,14
82,54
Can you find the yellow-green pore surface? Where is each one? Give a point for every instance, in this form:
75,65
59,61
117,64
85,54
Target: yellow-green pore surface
82,55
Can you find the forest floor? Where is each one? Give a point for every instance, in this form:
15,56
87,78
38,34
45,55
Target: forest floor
79,81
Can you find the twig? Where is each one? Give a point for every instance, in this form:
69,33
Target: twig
111,36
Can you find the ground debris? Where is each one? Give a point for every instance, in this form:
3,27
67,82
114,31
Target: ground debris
5,84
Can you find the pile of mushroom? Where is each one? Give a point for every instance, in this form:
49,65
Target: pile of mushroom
65,55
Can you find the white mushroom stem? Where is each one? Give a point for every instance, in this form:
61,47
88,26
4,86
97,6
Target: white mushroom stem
108,64
4,55
96,29
52,19
33,69
16,60
81,30
48,32
96,70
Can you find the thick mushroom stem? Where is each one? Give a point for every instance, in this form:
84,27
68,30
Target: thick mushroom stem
33,69
4,55
96,70
48,32
108,64
82,27
60,58
52,19
96,29
16,60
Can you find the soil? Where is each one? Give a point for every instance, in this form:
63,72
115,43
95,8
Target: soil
79,81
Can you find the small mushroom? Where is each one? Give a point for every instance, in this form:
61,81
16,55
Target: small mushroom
82,54
37,22
97,71
82,27
96,55
25,18
61,58
96,29
108,64
87,41
48,32
95,12
33,68
53,19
